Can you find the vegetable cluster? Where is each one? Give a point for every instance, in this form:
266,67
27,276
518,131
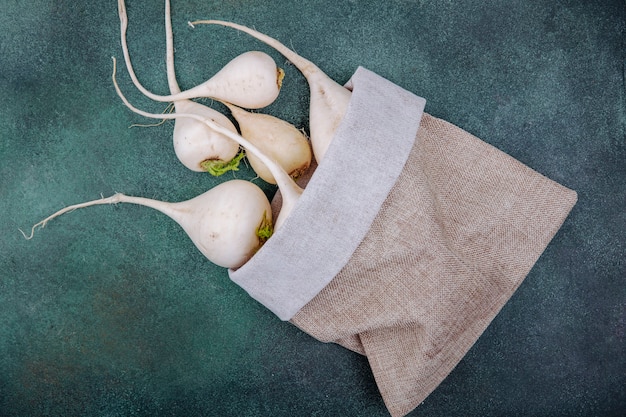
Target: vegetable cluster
231,221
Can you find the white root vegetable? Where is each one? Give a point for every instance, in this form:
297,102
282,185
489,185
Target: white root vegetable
290,191
196,146
276,138
228,223
329,100
251,80
200,148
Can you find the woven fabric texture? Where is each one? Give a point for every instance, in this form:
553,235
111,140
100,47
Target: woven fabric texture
334,213
459,231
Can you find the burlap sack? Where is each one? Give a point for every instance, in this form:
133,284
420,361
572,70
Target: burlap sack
411,236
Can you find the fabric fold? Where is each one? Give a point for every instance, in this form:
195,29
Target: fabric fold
458,233
342,198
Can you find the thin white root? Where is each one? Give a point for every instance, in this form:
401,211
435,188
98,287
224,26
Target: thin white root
114,199
168,110
306,67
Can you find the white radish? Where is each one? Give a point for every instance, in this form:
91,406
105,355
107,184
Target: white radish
329,100
200,148
251,80
276,138
228,223
196,146
290,191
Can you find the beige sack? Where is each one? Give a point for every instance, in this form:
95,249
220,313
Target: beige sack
457,229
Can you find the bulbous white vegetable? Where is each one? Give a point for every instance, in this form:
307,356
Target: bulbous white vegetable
251,80
277,139
329,100
198,147
228,223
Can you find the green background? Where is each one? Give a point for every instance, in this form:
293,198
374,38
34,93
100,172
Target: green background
111,311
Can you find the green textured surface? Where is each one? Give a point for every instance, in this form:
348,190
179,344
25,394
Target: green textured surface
112,311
